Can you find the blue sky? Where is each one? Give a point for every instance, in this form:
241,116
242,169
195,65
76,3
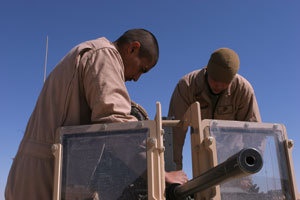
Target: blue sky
265,34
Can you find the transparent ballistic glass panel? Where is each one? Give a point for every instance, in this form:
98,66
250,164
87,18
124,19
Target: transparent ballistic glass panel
272,181
104,165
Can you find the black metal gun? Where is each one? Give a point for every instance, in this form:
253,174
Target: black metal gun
245,162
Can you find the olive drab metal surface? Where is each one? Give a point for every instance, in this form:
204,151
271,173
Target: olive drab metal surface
230,160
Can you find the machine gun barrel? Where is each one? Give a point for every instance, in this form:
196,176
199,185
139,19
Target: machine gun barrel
245,162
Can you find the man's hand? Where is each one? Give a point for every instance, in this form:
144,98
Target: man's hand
176,177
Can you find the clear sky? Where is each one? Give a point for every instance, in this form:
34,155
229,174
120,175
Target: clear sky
265,34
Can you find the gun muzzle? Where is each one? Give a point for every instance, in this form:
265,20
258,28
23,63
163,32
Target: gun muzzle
245,162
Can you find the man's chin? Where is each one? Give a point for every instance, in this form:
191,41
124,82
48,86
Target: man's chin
217,92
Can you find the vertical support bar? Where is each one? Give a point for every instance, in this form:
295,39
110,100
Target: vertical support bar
57,152
203,150
161,149
288,145
155,159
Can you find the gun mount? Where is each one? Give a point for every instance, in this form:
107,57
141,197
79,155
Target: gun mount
103,161
247,161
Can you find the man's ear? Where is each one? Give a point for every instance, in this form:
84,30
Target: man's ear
135,46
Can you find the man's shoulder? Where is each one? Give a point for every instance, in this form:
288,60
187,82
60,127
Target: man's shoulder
196,74
241,83
97,43
90,47
242,79
193,80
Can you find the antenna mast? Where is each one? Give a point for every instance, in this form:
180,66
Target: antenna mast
45,65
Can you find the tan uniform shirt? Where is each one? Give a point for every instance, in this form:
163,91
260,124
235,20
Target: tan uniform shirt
87,86
238,103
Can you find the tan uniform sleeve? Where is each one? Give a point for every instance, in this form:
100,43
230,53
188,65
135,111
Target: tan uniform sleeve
105,88
180,102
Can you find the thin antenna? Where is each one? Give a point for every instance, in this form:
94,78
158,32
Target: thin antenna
45,65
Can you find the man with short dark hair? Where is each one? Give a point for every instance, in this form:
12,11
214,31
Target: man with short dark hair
87,86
